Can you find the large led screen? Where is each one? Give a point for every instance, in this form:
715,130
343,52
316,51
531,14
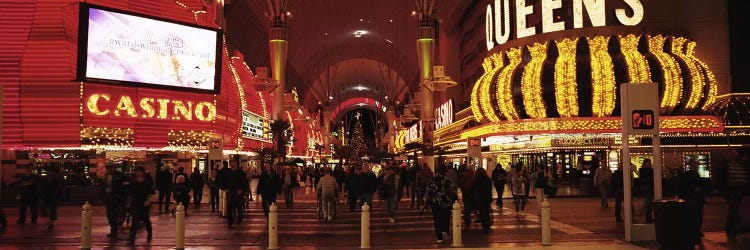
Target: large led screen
130,49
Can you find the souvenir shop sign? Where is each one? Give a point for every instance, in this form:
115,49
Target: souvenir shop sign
582,141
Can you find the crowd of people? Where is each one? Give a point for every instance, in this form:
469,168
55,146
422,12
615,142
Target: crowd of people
128,197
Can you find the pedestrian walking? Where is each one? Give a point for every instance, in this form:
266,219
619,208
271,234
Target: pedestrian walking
196,184
405,184
481,193
519,186
441,193
289,186
52,191
164,185
237,186
114,198
29,192
181,192
732,179
602,178
352,185
268,187
368,186
616,185
499,179
540,181
181,172
691,190
646,188
141,189
413,185
389,192
213,189
3,219
423,177
466,182
327,189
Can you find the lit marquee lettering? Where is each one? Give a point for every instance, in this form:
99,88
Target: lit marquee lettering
497,18
104,104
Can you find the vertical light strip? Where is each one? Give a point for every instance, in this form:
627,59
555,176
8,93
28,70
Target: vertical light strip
697,81
638,70
504,82
712,84
487,66
485,101
531,84
672,74
566,89
603,85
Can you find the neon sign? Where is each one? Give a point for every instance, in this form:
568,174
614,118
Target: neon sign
498,20
158,108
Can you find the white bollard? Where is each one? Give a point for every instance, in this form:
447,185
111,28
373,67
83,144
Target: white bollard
221,202
86,226
224,203
365,237
546,233
273,227
456,225
179,239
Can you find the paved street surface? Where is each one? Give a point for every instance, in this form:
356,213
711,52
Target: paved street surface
578,223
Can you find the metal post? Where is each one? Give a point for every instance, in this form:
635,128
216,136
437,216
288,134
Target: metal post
86,226
365,237
179,239
656,141
546,232
224,203
273,228
626,169
456,225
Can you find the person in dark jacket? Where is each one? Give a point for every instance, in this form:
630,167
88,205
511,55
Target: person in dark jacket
197,183
237,187
289,186
441,195
499,179
141,189
29,188
691,190
352,187
616,185
368,186
181,192
422,180
412,185
164,185
214,189
405,184
481,192
646,187
181,172
114,198
465,182
52,192
268,187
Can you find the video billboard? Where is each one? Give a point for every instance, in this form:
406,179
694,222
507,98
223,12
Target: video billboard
123,48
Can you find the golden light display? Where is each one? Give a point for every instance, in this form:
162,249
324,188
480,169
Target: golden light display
487,66
712,84
602,77
188,138
675,63
504,85
107,137
485,102
697,81
589,125
638,70
566,87
671,71
531,84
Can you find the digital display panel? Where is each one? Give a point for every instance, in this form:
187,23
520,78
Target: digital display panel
253,126
124,48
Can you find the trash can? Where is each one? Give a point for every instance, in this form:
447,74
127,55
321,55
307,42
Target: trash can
676,223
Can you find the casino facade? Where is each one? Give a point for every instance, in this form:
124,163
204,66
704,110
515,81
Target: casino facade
541,84
49,115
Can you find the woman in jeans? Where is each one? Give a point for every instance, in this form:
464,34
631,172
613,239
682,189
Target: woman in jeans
518,186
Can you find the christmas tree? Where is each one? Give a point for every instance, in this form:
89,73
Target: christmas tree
357,145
